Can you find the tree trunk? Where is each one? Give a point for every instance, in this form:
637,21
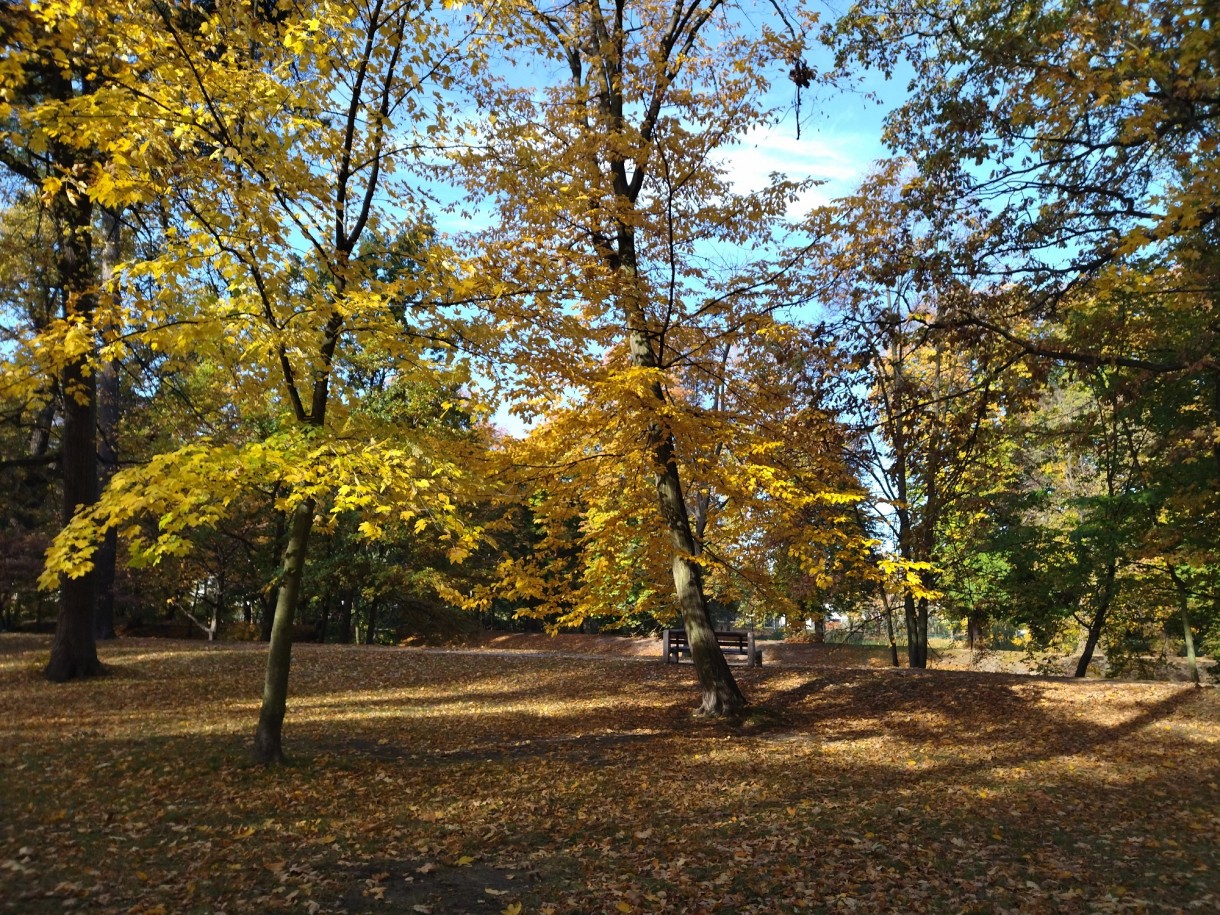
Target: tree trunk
370,631
819,627
916,613
1090,643
1099,620
74,651
268,739
1192,663
266,622
889,626
720,694
974,632
922,621
106,557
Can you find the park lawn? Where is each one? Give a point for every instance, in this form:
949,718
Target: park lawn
455,781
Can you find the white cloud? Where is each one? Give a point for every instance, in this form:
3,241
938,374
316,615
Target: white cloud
839,161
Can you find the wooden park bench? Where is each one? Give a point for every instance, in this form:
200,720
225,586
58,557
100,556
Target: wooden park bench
675,645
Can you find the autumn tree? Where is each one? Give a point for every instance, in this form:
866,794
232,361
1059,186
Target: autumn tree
629,262
28,302
1079,141
56,60
277,139
929,397
1085,134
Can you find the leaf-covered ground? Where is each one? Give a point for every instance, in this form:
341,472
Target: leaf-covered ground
458,781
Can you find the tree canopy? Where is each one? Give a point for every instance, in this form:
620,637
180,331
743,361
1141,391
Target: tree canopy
360,319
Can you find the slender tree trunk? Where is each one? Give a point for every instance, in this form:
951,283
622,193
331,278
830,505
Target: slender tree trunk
1099,620
1090,643
889,626
34,484
1192,663
922,603
268,739
106,557
74,651
819,626
720,693
893,641
888,609
267,601
370,631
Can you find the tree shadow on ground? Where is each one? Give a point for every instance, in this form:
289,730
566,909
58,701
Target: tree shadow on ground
1012,717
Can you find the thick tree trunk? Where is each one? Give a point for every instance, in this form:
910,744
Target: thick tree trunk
106,557
74,651
268,739
721,695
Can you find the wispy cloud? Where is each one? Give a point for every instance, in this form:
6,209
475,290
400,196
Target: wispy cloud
838,162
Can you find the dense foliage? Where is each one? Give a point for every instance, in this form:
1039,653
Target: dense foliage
355,320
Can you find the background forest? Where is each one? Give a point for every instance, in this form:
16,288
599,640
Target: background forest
380,319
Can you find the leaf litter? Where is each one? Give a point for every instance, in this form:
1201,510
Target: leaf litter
471,782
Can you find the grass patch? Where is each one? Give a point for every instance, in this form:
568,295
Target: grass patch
452,782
